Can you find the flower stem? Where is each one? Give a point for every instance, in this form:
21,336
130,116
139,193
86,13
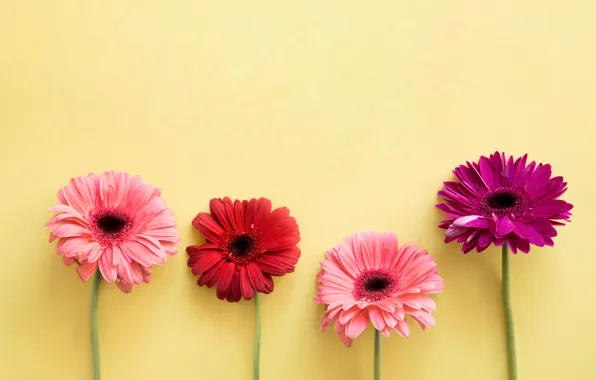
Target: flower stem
511,356
93,326
377,355
256,371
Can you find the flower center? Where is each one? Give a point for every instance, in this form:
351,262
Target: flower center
241,246
111,224
374,285
502,200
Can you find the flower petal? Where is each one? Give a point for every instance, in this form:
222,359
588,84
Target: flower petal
85,271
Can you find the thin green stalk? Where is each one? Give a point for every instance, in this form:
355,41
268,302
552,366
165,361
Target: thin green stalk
511,356
94,326
256,371
377,355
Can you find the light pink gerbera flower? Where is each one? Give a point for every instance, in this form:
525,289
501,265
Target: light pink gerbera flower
116,223
368,278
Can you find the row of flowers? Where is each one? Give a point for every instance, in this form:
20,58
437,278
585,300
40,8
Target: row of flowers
115,227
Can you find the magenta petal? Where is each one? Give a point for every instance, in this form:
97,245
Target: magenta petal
487,172
484,240
523,230
550,208
461,222
479,223
523,245
504,227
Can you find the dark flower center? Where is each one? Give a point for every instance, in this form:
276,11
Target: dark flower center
242,246
111,224
376,284
505,201
502,200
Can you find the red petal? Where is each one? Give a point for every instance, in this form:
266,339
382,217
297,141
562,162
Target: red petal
235,291
282,233
218,211
249,213
239,215
262,210
268,283
245,286
279,263
230,214
210,277
224,280
255,275
208,227
204,261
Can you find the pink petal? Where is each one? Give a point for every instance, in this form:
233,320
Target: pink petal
386,331
390,318
376,317
108,271
389,249
125,271
70,230
85,271
68,261
346,315
140,253
66,209
124,287
357,324
402,328
95,252
116,255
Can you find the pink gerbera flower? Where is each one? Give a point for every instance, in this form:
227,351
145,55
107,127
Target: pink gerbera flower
116,223
368,278
501,200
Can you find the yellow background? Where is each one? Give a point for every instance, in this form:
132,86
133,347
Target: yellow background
351,113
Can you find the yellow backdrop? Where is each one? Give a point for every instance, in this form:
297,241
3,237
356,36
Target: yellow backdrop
351,113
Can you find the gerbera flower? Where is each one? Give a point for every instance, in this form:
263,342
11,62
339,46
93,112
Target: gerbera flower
368,278
501,201
247,244
116,223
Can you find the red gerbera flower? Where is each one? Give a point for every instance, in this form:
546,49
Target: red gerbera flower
247,244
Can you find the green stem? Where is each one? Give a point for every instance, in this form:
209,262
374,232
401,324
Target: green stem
511,357
377,355
94,326
256,371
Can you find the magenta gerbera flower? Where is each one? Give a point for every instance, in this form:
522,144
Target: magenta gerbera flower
500,200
